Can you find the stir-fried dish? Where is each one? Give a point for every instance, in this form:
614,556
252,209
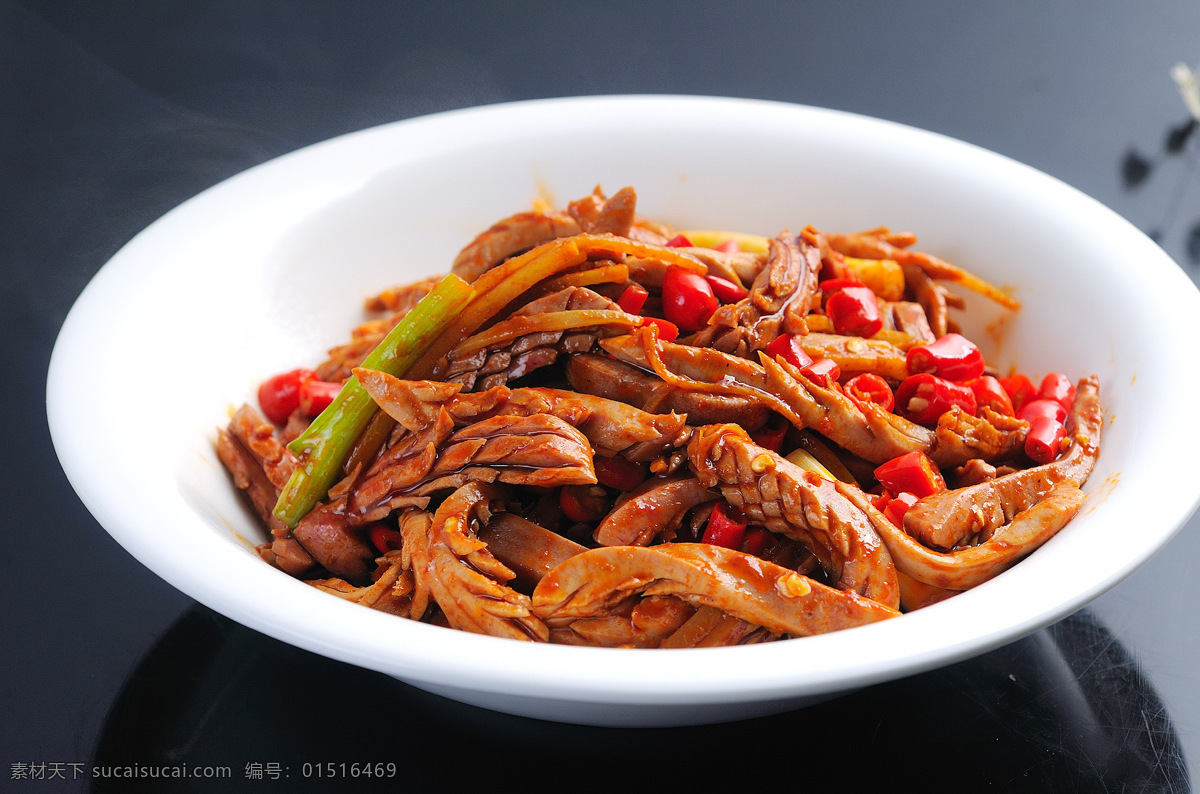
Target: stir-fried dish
600,430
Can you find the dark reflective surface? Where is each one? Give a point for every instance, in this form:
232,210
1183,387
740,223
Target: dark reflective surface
1065,709
112,114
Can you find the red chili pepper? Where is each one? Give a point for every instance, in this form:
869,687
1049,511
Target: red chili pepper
770,436
316,395
757,541
897,507
1020,390
1044,440
583,504
1051,409
680,241
832,285
688,300
384,538
666,329
788,347
953,357
725,290
633,299
619,473
729,246
279,395
989,392
854,311
726,527
823,371
1057,386
870,388
924,397
912,472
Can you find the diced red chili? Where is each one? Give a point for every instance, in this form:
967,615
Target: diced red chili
913,472
633,299
1051,409
1057,386
688,300
757,540
666,329
953,357
726,527
316,395
729,246
725,290
788,347
989,393
279,395
1020,390
832,285
1044,439
770,436
870,388
384,538
823,371
854,311
898,506
680,241
924,397
583,504
619,473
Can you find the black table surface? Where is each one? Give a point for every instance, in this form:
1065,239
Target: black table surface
113,113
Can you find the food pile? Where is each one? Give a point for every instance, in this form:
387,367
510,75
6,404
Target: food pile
600,430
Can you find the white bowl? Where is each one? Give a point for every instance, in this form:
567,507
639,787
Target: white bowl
267,270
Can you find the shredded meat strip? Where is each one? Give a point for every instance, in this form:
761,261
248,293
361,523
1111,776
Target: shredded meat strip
459,573
654,510
779,495
780,600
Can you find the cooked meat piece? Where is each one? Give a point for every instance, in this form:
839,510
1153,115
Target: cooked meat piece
777,494
597,214
611,427
531,337
780,297
249,477
910,318
780,600
654,510
258,436
462,576
740,267
635,623
930,297
510,236
709,627
391,591
969,566
947,519
619,381
526,548
287,554
402,466
327,535
918,595
400,300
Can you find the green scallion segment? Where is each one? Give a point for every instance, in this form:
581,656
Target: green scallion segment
322,449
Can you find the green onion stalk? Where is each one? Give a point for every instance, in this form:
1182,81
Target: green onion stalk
323,448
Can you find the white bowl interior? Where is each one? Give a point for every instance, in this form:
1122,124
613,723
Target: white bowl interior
267,270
